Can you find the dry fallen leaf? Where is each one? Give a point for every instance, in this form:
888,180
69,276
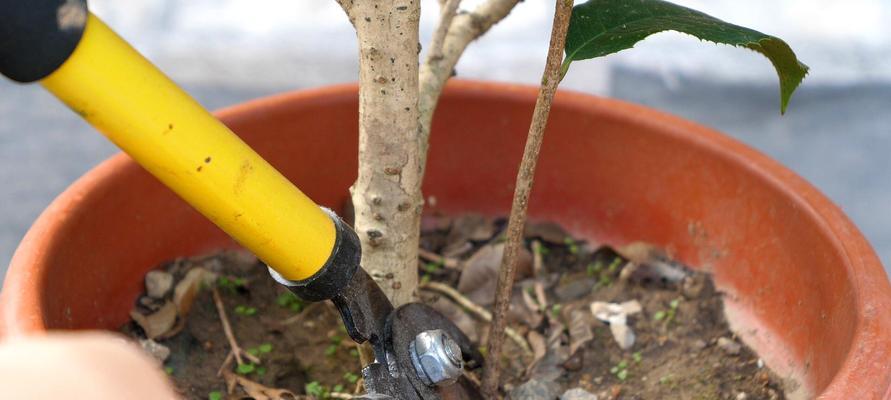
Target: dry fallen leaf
580,331
186,290
548,231
472,227
539,349
647,262
433,223
480,275
157,323
531,315
458,316
467,228
255,390
616,315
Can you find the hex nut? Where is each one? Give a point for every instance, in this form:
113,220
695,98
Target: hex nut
436,357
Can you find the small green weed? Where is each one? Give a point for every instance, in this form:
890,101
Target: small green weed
245,368
351,378
620,370
245,310
291,301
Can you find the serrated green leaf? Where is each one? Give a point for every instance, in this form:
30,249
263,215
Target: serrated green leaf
602,27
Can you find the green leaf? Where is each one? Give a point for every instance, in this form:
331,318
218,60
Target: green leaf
674,304
602,27
351,377
265,348
315,389
622,375
284,299
215,395
245,369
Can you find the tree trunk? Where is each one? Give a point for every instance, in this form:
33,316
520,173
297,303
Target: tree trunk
387,194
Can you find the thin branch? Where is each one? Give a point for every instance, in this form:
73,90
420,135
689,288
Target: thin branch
449,9
324,305
227,329
537,266
476,310
507,273
256,390
347,6
439,65
430,256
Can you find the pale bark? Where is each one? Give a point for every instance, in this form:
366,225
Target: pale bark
395,113
387,194
461,29
549,82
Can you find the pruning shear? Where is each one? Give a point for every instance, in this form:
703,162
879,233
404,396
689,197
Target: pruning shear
418,353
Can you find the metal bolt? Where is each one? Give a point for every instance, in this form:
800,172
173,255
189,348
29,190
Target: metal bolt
436,357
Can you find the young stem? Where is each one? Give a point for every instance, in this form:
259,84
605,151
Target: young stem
454,33
449,9
387,193
550,80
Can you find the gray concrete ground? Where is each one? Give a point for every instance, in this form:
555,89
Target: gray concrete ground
837,137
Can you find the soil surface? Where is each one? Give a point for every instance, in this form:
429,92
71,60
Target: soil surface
569,302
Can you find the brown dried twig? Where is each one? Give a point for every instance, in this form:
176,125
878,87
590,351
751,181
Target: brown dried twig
550,80
253,389
235,349
476,310
538,269
447,262
306,311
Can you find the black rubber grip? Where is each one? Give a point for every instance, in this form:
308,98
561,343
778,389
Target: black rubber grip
337,272
37,36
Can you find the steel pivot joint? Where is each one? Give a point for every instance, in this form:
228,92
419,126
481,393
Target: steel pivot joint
437,358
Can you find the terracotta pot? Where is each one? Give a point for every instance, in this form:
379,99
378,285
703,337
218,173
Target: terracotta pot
803,286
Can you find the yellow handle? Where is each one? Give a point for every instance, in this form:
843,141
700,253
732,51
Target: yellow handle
138,108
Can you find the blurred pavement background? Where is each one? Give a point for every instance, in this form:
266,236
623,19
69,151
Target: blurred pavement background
837,133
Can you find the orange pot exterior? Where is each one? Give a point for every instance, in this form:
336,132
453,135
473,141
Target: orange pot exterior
803,285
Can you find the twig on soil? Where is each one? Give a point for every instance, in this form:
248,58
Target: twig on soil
360,384
550,81
536,258
253,389
225,364
236,350
476,310
538,270
447,262
302,315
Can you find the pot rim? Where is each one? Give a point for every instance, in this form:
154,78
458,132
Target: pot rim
870,349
